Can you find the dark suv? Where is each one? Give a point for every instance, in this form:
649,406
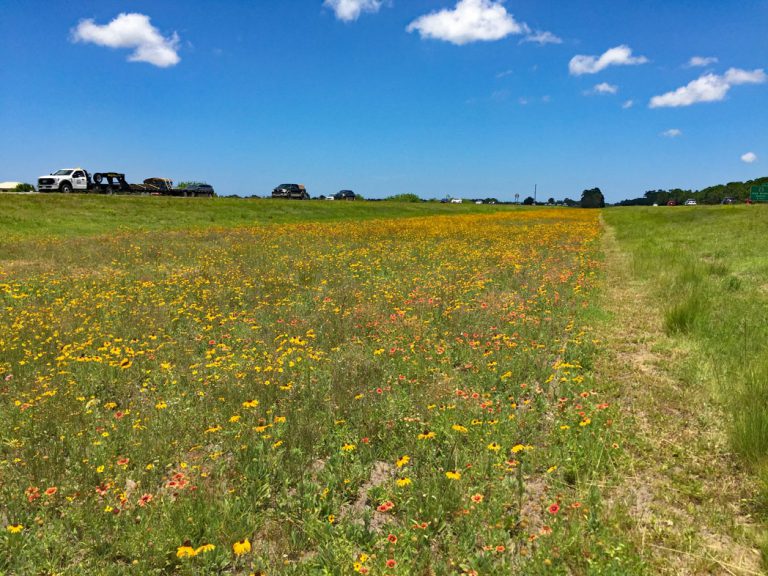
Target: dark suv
199,190
345,195
295,191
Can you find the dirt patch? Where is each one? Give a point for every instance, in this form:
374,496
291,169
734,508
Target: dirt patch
381,472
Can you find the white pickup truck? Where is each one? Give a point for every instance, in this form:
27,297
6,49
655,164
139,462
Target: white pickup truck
66,180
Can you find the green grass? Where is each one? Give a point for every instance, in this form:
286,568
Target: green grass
34,215
709,270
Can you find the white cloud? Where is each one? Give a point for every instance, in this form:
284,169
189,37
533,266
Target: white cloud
701,61
672,133
736,76
628,104
131,31
350,10
605,88
469,21
708,88
618,56
749,158
505,73
541,38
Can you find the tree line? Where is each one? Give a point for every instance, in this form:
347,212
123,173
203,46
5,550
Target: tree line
711,195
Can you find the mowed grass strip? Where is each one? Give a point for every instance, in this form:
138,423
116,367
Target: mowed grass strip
402,396
707,273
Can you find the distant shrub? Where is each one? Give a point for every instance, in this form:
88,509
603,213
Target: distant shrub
183,185
24,188
404,198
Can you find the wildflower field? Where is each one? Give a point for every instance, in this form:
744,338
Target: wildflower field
389,396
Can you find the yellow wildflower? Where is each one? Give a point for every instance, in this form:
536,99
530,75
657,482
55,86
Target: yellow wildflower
241,547
186,551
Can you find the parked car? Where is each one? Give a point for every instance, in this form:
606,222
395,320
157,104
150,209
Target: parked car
672,203
690,202
345,195
293,191
729,200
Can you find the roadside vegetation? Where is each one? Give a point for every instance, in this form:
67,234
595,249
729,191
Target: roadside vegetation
391,396
76,215
217,386
704,270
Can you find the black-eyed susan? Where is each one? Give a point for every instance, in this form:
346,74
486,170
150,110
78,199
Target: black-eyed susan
186,551
241,547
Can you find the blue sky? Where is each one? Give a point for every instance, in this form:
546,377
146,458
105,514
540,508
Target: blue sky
434,97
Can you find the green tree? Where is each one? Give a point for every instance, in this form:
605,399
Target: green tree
528,201
25,188
592,198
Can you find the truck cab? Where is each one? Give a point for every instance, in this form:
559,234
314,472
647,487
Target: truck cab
65,180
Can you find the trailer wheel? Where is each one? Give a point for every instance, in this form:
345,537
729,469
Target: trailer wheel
65,188
98,178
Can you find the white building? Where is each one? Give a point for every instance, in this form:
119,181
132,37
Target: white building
8,186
